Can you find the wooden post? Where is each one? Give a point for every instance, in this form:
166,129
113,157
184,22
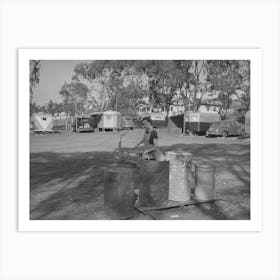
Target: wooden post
184,123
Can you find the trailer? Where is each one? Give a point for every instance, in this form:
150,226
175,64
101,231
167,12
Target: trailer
111,121
159,119
196,122
42,122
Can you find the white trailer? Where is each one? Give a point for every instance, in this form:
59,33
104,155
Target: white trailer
43,122
111,120
196,122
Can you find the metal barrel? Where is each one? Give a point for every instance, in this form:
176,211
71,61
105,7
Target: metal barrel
180,173
153,186
119,192
205,182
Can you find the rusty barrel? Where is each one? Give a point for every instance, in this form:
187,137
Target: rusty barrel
119,192
153,183
205,182
180,173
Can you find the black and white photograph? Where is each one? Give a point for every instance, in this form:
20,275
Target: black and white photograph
139,139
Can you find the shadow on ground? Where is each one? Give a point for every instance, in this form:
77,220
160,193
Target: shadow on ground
67,186
70,186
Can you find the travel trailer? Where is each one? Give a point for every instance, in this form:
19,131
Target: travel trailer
159,119
111,120
200,122
42,122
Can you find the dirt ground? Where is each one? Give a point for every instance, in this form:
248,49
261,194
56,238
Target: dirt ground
67,171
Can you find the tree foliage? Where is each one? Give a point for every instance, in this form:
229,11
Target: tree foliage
122,84
127,99
162,78
51,108
34,76
101,78
74,95
227,77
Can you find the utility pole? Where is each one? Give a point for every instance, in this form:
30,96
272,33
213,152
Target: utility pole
184,123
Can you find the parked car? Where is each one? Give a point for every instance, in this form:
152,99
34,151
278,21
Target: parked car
225,128
84,124
127,123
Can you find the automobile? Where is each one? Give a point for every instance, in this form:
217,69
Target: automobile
225,128
127,123
84,124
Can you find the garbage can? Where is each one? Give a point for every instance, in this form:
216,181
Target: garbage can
205,182
154,185
119,192
180,174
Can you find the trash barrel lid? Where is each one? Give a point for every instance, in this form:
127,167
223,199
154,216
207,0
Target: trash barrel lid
179,155
120,168
206,167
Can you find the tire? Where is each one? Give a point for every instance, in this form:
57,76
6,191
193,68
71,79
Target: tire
225,134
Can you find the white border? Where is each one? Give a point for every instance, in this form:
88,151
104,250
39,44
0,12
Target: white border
254,224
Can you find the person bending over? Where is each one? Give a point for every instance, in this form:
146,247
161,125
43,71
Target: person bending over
150,141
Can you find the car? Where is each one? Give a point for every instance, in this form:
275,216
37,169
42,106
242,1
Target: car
127,123
84,124
225,128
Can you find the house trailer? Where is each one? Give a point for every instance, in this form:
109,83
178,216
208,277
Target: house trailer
199,123
43,122
112,120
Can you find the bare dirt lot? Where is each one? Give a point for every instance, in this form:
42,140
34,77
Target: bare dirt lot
67,170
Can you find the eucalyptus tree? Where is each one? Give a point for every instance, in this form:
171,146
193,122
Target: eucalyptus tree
74,95
228,77
34,76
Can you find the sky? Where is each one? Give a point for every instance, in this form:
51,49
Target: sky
53,73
